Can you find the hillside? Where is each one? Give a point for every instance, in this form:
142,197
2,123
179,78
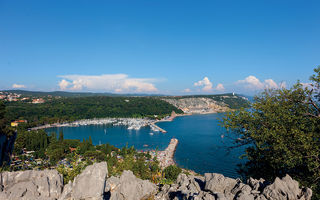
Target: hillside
202,104
70,109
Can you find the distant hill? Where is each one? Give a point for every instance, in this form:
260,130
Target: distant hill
72,94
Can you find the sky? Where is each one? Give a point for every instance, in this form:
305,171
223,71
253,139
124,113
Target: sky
159,47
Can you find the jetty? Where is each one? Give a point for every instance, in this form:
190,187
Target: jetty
165,157
154,127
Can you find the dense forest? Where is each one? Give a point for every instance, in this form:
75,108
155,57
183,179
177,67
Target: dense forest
70,109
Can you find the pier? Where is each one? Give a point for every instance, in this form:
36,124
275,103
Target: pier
153,126
166,157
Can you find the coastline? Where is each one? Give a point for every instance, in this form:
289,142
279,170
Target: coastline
132,123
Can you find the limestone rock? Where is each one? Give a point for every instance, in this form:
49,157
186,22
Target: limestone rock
90,184
129,187
31,184
67,191
286,189
218,184
186,187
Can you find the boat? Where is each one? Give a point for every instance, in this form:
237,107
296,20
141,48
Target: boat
151,133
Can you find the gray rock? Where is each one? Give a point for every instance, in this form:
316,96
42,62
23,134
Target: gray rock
112,184
130,187
218,184
31,184
221,196
90,184
257,185
285,189
244,196
186,187
67,191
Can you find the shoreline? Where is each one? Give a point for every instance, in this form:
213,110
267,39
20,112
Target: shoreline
132,123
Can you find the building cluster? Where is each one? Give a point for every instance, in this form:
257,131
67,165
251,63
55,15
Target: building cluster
9,96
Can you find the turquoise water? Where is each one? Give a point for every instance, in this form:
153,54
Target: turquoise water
201,147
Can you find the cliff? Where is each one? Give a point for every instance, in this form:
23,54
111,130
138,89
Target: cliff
208,104
93,184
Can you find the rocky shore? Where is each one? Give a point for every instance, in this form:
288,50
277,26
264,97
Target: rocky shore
95,184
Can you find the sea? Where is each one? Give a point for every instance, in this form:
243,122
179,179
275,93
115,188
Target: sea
204,146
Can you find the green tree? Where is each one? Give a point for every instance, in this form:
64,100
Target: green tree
172,172
281,133
2,119
60,136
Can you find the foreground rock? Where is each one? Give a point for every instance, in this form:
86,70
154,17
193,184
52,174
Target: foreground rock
129,187
46,184
90,184
217,187
93,184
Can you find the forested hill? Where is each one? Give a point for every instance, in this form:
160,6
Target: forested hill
70,109
27,93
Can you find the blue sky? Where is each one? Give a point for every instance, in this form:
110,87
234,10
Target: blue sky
168,47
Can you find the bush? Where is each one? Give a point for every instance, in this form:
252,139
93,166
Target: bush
172,172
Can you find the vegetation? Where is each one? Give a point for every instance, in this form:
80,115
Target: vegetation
281,133
171,172
70,109
36,149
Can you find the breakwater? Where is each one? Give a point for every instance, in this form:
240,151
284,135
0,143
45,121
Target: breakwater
165,157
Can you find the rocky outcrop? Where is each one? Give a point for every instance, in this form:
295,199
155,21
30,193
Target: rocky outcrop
90,184
93,184
286,188
46,184
129,187
198,105
186,187
217,187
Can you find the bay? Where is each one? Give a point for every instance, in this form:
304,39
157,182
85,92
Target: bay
201,147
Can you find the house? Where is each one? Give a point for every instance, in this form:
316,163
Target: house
17,122
39,100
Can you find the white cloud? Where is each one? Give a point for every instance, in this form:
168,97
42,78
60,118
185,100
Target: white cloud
107,82
205,82
220,87
253,83
64,84
17,86
187,90
269,83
